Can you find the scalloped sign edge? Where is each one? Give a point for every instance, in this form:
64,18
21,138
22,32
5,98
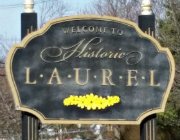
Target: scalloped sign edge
41,31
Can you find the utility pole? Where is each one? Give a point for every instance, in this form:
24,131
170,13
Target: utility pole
28,25
146,22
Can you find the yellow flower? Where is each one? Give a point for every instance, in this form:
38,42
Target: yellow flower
81,104
67,102
91,101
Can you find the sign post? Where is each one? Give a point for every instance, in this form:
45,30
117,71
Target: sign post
28,25
147,25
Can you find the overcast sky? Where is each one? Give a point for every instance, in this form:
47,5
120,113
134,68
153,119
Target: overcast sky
10,15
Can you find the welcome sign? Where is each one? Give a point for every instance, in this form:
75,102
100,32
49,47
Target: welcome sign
90,70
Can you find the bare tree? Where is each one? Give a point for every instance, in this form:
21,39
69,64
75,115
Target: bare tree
118,8
129,9
51,9
175,12
5,44
159,9
9,118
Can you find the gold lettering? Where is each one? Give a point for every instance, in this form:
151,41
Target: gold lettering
28,81
113,30
85,29
55,76
152,80
105,29
73,29
98,53
98,29
104,55
120,32
77,77
66,30
82,53
72,50
91,29
107,77
78,29
132,76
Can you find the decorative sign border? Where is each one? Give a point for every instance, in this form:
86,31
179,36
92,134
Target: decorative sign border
40,32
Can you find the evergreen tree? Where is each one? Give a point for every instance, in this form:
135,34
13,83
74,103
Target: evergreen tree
169,35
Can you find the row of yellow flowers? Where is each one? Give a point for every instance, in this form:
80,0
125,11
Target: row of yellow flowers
91,101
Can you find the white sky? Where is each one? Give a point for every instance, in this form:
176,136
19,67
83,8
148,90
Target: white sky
10,17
